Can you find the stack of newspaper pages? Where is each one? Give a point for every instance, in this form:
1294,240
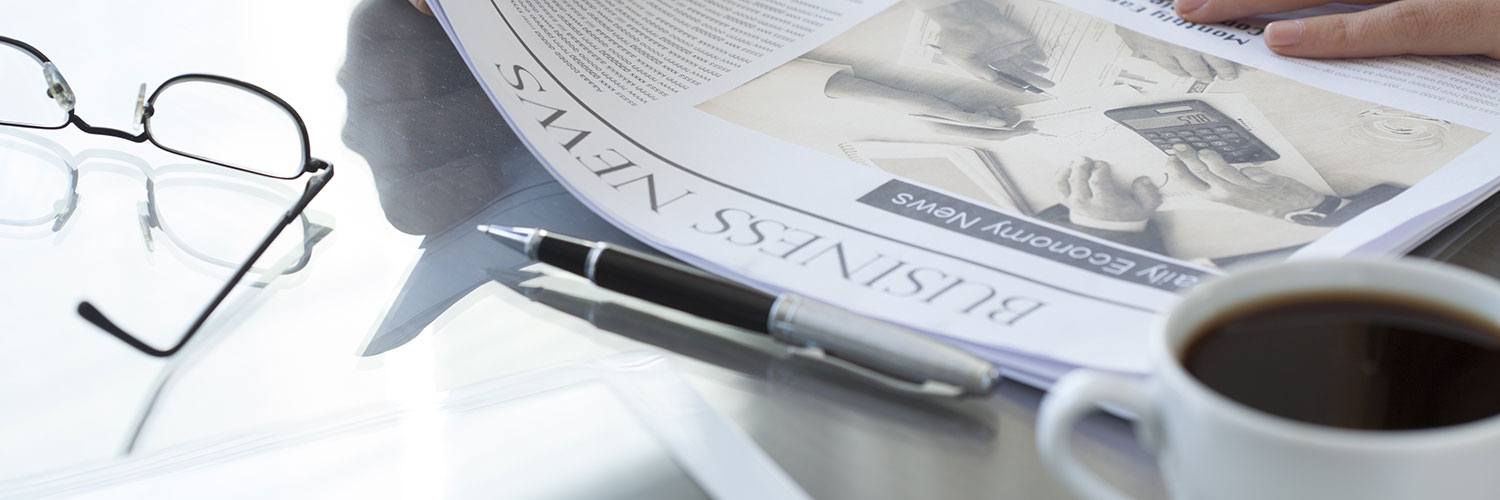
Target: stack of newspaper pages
1032,180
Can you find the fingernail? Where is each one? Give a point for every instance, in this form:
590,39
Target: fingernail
1284,33
1188,6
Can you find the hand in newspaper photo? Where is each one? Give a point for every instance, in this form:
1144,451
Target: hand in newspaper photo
1094,199
1251,188
979,38
993,122
1179,60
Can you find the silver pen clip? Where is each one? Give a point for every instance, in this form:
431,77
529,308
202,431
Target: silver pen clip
926,388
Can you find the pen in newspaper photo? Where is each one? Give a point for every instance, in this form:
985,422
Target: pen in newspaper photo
1018,82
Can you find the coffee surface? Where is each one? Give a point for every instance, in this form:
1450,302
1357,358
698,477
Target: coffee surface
1353,361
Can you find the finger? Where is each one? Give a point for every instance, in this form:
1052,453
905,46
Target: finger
1225,69
1078,182
1259,174
422,6
1064,183
1221,167
1102,181
1213,11
1038,80
1194,164
1022,48
982,119
1032,66
1035,52
1023,128
948,111
1422,27
1005,113
983,133
1016,71
972,122
1193,64
1167,62
1146,193
1185,175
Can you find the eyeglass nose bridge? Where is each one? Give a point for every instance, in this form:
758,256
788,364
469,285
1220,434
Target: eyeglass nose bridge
65,209
142,110
147,216
58,88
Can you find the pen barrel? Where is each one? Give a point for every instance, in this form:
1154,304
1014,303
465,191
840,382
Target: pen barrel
566,252
879,345
680,287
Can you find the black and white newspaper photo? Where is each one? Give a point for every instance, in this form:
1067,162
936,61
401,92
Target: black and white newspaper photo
1030,180
1093,127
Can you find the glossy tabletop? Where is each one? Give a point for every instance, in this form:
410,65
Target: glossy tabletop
409,298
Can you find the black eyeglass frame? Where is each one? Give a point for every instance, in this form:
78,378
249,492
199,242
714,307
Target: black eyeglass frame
320,171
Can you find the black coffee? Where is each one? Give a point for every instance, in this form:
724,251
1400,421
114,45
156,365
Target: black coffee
1352,360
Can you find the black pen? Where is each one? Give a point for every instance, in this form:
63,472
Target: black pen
859,340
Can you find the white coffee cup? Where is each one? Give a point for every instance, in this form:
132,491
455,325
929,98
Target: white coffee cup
1211,447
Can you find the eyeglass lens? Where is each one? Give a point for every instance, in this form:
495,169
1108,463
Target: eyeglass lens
227,124
23,91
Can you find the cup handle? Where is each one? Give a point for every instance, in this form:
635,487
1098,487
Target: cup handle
1074,397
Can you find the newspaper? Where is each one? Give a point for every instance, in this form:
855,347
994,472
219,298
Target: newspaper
1032,180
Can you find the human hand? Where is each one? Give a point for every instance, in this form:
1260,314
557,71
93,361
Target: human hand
977,37
994,123
1251,188
1425,27
1179,60
932,109
1092,195
422,6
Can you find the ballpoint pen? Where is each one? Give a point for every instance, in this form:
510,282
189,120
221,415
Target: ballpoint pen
1018,82
856,341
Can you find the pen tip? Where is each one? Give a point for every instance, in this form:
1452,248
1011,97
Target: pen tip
516,237
499,230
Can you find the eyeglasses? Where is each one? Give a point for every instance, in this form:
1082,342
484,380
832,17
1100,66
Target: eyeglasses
213,119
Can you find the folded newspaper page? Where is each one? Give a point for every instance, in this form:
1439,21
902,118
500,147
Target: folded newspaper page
1033,180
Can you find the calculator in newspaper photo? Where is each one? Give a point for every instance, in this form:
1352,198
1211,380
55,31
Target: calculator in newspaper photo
1197,124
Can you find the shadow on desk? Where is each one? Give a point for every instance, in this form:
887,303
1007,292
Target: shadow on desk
443,161
762,358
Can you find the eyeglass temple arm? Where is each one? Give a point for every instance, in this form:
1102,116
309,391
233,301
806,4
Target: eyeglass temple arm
93,315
